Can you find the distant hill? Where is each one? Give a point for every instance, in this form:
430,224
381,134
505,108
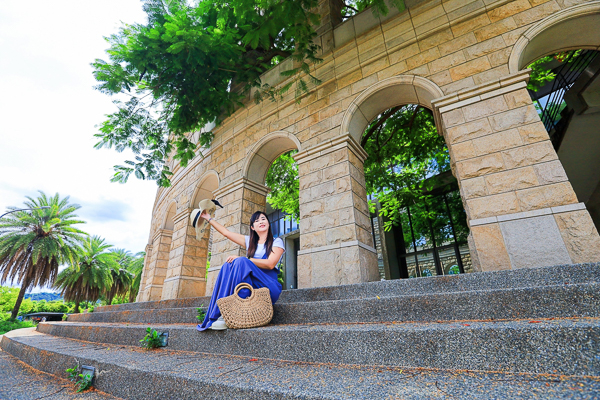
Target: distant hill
48,296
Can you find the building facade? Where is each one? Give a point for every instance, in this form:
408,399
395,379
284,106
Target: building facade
463,59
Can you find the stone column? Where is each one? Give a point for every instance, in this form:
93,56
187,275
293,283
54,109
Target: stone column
336,243
520,206
240,199
186,273
157,267
141,292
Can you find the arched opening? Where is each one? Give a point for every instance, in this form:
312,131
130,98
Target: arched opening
271,165
562,52
418,220
169,221
422,210
207,185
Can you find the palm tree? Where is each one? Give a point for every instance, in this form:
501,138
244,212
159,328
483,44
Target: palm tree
136,267
89,277
122,278
33,244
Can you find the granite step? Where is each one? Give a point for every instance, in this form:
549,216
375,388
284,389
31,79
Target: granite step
524,278
131,373
21,382
563,300
564,346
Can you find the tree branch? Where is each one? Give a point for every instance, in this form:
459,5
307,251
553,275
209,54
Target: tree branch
384,117
352,8
408,125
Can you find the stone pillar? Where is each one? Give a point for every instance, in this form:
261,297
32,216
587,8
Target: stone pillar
521,208
186,273
141,292
157,267
336,243
240,199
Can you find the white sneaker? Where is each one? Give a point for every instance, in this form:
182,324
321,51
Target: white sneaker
218,325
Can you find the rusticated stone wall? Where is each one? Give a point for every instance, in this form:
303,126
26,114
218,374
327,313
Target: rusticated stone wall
464,60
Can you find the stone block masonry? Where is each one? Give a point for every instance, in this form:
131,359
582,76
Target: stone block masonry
336,245
516,194
456,53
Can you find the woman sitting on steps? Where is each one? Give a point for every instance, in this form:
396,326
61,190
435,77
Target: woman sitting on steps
258,268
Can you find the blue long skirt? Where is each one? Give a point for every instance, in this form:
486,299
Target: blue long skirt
231,274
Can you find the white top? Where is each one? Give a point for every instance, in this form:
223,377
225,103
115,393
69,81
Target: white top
260,248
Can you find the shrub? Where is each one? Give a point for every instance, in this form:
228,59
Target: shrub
82,382
8,325
152,339
201,313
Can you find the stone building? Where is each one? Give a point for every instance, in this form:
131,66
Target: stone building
526,204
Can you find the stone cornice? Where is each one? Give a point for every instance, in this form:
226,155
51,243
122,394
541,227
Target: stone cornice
161,232
329,146
181,215
483,91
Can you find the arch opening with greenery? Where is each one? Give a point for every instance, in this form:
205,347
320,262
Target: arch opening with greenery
418,219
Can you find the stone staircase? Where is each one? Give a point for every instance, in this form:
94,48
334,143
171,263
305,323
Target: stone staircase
508,334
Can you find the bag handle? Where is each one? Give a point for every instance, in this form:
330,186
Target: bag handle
244,285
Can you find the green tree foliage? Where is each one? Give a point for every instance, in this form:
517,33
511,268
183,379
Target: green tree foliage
34,243
179,68
136,267
8,298
89,277
407,160
190,65
282,179
121,276
404,150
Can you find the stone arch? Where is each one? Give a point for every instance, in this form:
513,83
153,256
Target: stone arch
397,90
576,27
262,155
208,183
169,218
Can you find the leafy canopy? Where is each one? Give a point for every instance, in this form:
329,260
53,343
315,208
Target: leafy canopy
191,65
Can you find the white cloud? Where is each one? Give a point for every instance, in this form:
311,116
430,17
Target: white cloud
49,109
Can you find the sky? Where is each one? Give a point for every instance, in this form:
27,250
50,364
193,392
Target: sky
49,109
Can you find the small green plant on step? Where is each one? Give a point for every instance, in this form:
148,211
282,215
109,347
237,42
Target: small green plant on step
82,382
201,313
152,339
65,317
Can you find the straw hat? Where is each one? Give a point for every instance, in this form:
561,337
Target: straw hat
199,223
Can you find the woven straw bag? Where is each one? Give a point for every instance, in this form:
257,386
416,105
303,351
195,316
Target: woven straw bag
251,312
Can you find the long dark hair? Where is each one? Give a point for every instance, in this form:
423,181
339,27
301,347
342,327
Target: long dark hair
254,236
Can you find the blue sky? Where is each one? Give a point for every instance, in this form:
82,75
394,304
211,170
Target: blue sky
49,109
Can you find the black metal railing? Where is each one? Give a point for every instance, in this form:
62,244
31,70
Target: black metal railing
566,74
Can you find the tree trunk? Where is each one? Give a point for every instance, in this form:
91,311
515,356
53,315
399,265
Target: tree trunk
15,310
76,309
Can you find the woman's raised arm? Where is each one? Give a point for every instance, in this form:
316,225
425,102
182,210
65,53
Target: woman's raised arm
234,237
